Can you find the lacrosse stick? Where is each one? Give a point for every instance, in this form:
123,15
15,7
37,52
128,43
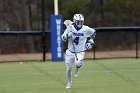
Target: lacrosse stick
68,24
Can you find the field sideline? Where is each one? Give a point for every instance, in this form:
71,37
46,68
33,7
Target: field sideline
96,76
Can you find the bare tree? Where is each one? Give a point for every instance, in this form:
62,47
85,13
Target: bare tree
26,24
14,15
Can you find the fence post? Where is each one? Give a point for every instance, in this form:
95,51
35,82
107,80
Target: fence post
43,30
94,51
136,35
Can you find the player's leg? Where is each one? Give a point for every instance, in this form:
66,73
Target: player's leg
79,63
69,59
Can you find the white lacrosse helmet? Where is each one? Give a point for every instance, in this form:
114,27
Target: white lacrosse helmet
78,19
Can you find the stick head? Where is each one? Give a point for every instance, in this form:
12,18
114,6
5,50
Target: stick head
68,23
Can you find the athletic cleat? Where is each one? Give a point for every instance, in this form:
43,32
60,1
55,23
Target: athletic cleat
76,73
69,85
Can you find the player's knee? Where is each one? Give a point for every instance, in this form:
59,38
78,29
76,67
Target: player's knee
68,66
78,64
69,69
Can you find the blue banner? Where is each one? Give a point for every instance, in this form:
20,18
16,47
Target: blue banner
57,47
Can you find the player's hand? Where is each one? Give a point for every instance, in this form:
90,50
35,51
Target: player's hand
66,36
69,34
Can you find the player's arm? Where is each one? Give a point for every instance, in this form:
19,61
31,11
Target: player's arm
93,35
90,42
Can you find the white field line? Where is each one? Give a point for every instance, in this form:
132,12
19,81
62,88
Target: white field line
24,84
34,84
90,71
43,83
95,81
19,73
46,83
126,70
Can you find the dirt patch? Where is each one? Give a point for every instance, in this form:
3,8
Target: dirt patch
38,56
112,54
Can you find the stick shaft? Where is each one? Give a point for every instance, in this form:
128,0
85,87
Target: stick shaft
74,49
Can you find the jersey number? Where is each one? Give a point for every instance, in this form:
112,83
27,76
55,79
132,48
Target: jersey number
76,40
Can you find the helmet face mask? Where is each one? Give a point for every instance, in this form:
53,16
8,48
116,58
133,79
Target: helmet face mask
79,23
78,19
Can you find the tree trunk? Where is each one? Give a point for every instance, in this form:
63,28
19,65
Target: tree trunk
27,27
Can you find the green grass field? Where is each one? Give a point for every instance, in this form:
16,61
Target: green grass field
100,76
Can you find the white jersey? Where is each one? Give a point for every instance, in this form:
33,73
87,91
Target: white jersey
79,37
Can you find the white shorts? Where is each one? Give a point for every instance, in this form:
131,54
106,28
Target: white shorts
71,59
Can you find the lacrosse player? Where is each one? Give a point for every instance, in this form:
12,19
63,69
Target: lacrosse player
76,33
